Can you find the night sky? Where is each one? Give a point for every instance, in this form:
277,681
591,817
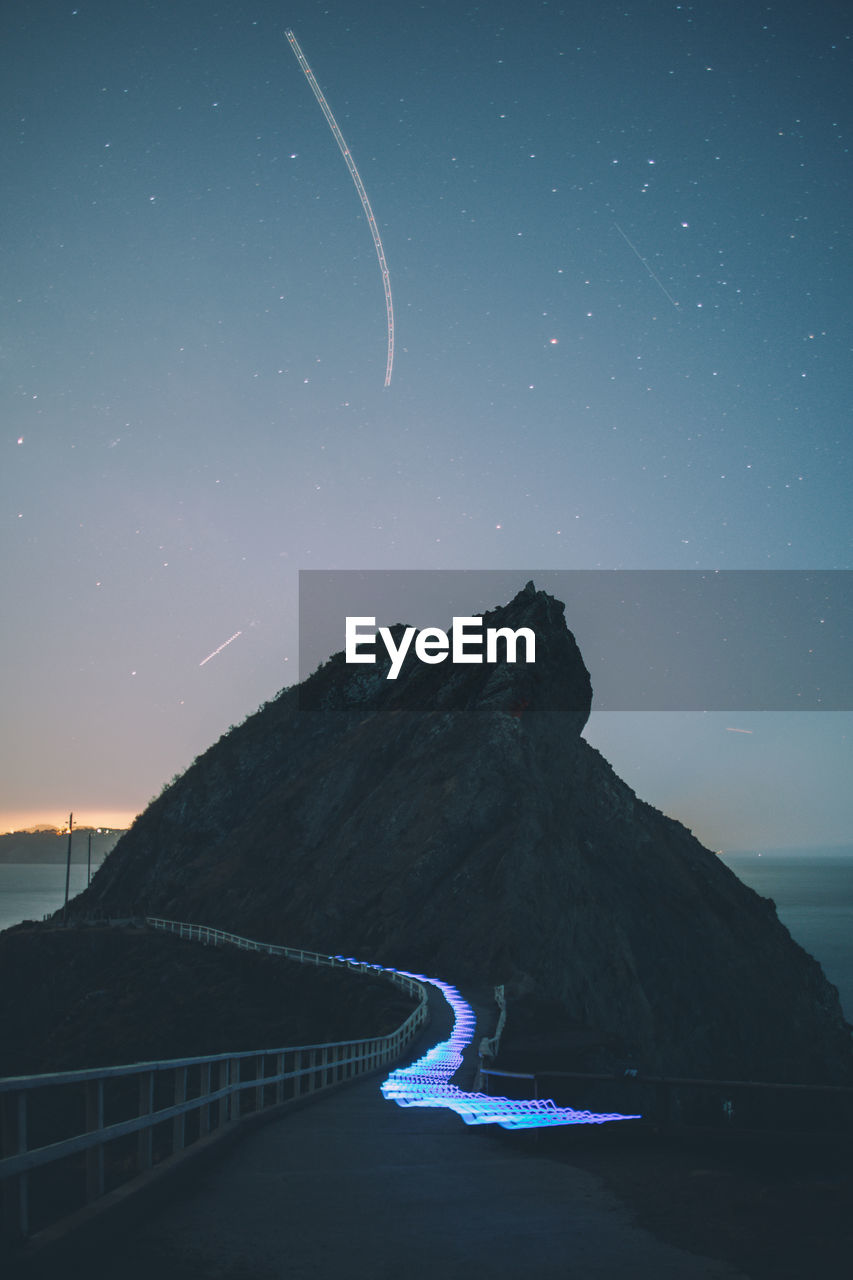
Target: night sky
619,243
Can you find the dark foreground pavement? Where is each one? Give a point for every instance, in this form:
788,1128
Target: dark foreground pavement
354,1186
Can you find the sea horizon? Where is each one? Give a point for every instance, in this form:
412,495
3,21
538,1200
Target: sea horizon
811,887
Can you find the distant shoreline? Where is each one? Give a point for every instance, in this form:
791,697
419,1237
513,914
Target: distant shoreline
78,859
27,848
791,851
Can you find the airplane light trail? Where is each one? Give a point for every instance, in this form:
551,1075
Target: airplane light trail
362,195
221,647
636,251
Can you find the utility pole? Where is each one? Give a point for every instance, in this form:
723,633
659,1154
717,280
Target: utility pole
89,863
68,867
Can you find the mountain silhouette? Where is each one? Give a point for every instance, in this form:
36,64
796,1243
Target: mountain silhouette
454,822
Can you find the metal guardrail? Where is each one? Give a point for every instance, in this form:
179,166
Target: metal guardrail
675,1101
160,1109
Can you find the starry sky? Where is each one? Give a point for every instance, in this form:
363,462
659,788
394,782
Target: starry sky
619,244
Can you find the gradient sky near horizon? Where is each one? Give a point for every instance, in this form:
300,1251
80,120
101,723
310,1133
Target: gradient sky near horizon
619,242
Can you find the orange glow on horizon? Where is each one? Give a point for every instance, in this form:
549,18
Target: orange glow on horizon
16,820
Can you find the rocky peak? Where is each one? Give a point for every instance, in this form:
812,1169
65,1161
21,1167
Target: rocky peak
557,683
454,821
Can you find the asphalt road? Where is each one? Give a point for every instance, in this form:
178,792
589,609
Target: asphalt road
354,1186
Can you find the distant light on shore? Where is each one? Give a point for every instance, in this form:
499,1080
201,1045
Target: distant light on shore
97,820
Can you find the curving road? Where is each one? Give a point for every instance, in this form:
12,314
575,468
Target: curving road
350,1187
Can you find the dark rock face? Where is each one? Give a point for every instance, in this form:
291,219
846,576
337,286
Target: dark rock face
98,997
455,822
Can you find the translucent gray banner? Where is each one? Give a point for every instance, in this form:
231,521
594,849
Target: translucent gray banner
652,640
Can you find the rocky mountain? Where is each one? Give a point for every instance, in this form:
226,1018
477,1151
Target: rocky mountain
454,821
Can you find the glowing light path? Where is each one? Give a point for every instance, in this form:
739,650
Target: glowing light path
426,1083
362,195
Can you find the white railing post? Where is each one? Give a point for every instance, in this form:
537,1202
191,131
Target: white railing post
223,1108
14,1142
95,1155
260,1076
179,1124
234,1097
23,1182
145,1141
205,1073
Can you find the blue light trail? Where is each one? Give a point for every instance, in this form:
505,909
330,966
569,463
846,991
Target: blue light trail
426,1082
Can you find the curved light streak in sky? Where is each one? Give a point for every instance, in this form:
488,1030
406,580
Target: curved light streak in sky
426,1083
359,186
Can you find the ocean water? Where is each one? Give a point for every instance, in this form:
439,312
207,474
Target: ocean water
29,891
812,889
813,892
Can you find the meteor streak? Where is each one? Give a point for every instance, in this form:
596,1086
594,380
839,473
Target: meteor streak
362,195
221,647
636,251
